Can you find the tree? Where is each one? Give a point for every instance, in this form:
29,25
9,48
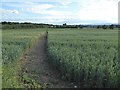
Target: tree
64,24
104,27
111,26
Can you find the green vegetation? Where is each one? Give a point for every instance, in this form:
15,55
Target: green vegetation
28,25
0,58
14,45
86,56
25,25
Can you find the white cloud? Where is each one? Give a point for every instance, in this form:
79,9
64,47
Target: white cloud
85,11
29,3
51,12
15,11
65,2
4,11
41,9
37,0
47,9
102,10
94,10
44,6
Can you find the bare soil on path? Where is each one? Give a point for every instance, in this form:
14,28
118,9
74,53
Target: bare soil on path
38,68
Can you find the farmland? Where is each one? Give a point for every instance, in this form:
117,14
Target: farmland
88,57
85,57
14,45
59,44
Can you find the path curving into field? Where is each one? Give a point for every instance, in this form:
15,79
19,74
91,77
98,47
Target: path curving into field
38,68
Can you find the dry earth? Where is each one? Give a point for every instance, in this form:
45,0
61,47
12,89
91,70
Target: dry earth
38,68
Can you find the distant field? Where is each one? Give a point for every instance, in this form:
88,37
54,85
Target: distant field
15,43
87,56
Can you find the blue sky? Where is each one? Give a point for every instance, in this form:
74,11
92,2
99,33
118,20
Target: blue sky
60,11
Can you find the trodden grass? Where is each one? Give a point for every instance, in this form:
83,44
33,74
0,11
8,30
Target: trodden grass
15,43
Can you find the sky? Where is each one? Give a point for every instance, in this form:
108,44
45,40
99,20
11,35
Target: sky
60,11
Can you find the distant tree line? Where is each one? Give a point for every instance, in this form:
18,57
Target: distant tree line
27,25
112,26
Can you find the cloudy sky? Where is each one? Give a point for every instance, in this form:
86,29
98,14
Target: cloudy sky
60,11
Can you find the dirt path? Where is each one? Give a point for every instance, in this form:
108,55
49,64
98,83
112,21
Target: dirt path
38,68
